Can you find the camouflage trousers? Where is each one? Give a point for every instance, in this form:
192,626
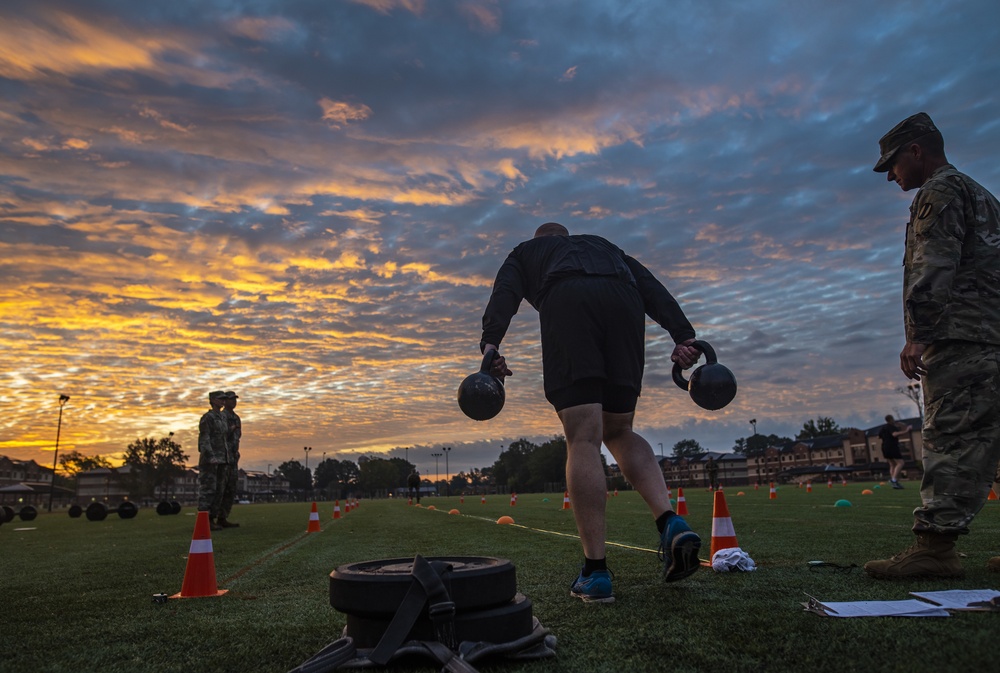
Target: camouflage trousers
211,485
961,434
229,491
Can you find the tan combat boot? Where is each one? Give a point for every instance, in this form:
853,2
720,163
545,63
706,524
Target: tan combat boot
932,556
994,564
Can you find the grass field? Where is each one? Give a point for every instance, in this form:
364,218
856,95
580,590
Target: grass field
76,595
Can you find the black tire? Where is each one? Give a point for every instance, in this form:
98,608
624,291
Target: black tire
501,624
28,513
175,507
75,511
127,510
164,508
97,511
376,588
7,513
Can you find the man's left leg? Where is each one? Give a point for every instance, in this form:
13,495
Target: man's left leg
585,481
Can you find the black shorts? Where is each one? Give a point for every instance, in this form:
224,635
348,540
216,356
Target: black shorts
892,451
593,339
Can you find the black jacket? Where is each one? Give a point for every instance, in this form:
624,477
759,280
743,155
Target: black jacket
533,267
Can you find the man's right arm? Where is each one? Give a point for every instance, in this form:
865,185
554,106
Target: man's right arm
508,291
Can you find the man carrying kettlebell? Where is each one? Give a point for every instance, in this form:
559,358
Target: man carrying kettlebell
592,300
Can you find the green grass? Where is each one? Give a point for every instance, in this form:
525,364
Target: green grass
76,595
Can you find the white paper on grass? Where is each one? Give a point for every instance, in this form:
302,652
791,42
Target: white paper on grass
958,599
905,608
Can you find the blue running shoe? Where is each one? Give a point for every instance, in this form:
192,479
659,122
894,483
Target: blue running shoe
679,547
593,589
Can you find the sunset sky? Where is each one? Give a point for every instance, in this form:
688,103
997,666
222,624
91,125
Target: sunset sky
306,202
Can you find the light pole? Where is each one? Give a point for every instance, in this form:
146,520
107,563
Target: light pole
407,456
63,399
753,422
447,474
661,450
307,449
437,474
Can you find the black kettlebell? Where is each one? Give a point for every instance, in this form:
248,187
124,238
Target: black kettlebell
712,386
481,395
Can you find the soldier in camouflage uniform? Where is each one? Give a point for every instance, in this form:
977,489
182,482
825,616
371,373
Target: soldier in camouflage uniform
213,458
951,303
233,434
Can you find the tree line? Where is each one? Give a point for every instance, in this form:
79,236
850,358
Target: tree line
523,467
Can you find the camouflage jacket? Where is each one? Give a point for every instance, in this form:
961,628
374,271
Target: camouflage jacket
234,433
951,275
212,431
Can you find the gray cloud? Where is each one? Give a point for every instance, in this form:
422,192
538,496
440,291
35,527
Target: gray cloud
309,202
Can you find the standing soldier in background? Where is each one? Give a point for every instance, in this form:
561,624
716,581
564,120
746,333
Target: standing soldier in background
233,434
951,312
213,458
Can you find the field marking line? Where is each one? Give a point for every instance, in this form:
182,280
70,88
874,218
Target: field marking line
561,534
260,561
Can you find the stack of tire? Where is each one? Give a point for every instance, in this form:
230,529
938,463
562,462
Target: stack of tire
165,508
7,514
484,589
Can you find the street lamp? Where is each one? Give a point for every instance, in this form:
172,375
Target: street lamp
63,399
407,456
447,473
437,474
753,422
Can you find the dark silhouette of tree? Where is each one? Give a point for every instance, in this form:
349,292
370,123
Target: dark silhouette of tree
820,427
336,477
688,448
153,463
299,477
511,468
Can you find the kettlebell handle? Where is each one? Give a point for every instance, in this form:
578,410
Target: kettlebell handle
488,358
710,358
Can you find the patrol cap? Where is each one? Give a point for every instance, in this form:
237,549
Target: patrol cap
216,393
230,395
902,133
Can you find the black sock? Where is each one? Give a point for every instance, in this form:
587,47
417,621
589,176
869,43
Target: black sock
590,565
661,521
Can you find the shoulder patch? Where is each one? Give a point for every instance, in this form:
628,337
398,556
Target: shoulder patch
925,210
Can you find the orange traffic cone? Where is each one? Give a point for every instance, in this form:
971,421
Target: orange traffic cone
482,500
566,500
616,492
723,533
313,520
336,509
809,487
513,499
670,496
682,506
829,483
199,575
461,500
409,501
992,495
774,493
756,486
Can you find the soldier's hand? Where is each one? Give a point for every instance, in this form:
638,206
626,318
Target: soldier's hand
911,360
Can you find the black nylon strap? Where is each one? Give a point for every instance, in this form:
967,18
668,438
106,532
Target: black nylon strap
427,586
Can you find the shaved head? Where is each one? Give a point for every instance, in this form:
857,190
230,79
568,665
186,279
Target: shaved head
551,229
